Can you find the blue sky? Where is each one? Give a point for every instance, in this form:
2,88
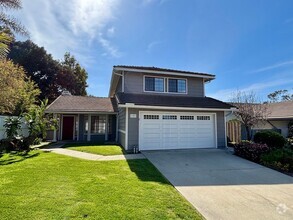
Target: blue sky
248,44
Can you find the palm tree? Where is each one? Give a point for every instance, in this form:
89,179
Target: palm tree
9,22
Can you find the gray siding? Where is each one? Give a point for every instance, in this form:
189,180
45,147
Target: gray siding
221,129
119,85
121,126
121,119
133,83
133,127
121,137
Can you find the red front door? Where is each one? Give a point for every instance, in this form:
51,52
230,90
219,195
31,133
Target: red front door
68,126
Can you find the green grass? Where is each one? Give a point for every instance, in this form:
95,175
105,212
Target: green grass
105,150
52,186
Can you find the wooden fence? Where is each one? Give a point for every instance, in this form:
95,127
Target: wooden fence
23,131
234,131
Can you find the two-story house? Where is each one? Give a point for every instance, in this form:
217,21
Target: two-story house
149,108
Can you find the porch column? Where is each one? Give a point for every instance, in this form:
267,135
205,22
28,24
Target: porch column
106,127
117,127
77,128
89,128
55,130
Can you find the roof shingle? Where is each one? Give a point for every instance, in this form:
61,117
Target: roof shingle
162,69
172,101
282,110
68,103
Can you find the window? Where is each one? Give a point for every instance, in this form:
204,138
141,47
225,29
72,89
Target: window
186,117
98,124
205,118
154,84
169,117
86,124
177,85
154,117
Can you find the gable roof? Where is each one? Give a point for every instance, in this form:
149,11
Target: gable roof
70,103
280,110
171,101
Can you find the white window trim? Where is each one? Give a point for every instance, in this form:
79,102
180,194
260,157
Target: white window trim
186,87
154,77
166,85
105,124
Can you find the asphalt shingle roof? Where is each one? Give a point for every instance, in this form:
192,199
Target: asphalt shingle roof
171,101
70,103
162,69
280,110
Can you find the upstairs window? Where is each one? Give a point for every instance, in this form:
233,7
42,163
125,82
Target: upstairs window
177,85
154,84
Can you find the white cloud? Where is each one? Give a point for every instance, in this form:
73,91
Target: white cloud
73,26
274,66
111,31
226,94
152,45
110,49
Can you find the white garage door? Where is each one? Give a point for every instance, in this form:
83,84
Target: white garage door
159,130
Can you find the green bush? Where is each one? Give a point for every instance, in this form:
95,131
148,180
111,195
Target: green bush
273,139
250,151
280,159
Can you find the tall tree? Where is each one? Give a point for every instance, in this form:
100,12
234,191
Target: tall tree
72,76
51,76
280,96
17,92
9,22
39,66
250,110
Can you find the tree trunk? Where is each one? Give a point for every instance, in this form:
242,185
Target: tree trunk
248,135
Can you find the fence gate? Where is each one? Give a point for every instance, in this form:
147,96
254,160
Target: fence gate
234,131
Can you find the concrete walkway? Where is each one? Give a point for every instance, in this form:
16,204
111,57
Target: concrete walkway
223,186
57,148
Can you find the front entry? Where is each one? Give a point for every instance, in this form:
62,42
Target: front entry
68,127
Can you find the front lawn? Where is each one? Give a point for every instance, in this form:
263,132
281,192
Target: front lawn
52,186
105,150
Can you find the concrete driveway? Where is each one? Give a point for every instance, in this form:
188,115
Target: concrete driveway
223,186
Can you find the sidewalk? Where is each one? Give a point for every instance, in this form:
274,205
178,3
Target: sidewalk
57,148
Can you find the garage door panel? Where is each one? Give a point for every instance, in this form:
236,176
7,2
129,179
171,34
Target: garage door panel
176,130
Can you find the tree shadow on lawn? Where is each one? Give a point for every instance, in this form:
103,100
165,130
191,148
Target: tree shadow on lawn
146,171
14,157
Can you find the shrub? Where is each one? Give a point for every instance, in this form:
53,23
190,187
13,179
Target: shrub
272,139
290,129
251,151
280,159
12,126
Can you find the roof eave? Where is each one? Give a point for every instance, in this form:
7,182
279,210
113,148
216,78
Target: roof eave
132,105
197,75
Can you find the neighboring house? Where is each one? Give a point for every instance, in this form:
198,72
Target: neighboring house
149,108
280,114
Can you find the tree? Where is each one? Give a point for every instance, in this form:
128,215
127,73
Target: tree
250,110
39,122
39,66
51,76
72,76
8,22
17,92
280,96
